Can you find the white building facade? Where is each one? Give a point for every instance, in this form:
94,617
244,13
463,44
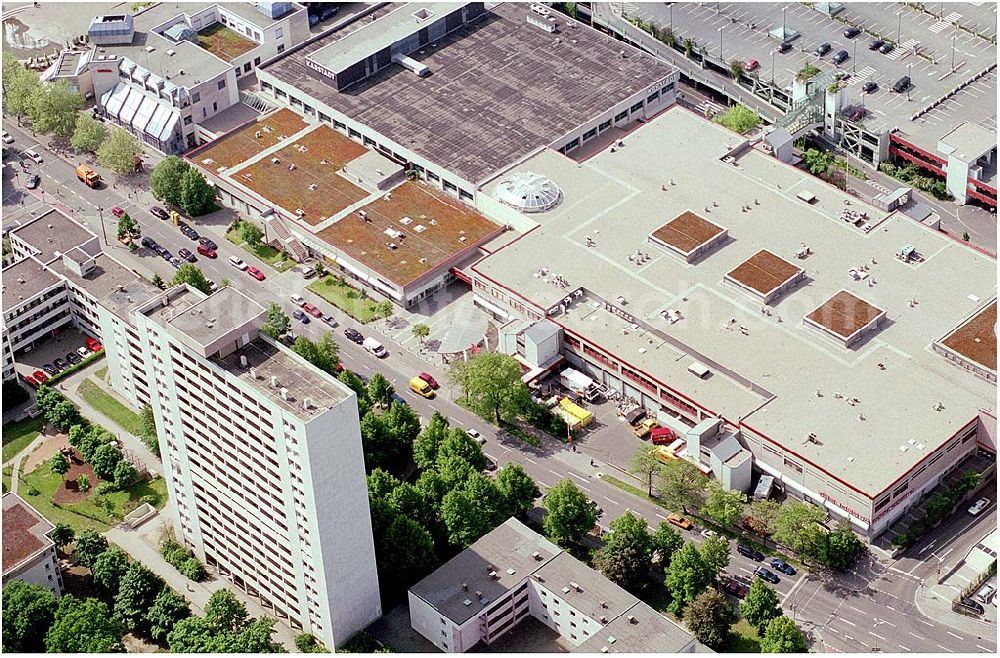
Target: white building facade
28,553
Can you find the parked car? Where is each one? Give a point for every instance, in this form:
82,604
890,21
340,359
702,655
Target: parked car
31,381
354,335
476,436
979,506
33,181
297,300
33,155
191,233
208,244
823,49
166,255
840,57
73,358
490,465
157,211
751,65
876,44
749,551
421,388
869,87
375,348
50,369
117,211
679,521
187,255
237,263
300,316
312,310
255,273
783,567
734,587
213,286
149,243
851,32
886,48
83,352
93,345
765,574
330,320
60,364
206,252
40,376
396,397
784,47
901,85
6,138
430,380
176,263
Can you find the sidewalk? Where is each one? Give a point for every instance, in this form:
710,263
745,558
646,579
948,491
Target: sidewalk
934,601
132,443
142,543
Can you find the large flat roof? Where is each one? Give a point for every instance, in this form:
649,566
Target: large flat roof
499,89
24,533
976,338
302,175
206,320
435,229
23,280
117,288
244,143
769,374
53,234
687,232
968,141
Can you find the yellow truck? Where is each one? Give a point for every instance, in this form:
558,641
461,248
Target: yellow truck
643,429
576,411
87,174
662,455
421,388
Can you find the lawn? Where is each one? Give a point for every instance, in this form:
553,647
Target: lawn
87,514
104,402
102,373
346,299
17,436
269,255
224,43
745,638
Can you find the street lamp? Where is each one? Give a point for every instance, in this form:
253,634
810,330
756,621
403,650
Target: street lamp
952,54
783,10
772,70
721,59
875,630
104,232
854,58
909,84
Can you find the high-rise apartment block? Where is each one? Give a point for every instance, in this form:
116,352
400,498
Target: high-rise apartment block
254,441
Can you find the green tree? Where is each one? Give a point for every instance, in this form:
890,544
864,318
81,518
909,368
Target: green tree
709,618
83,483
453,470
736,69
494,386
89,545
28,611
432,487
353,382
723,506
225,613
819,162
519,491
168,608
966,236
59,464
739,118
471,509
55,110
645,466
715,554
842,547
128,227
760,605
125,475
459,444
782,636
120,152
681,485
254,638
666,541
380,390
421,331
165,181
109,569
408,501
686,577
105,461
89,134
197,196
328,354
409,551
425,446
20,87
384,308
194,277
402,425
62,535
278,323
570,515
83,627
13,393
764,512
251,234
157,281
147,429
192,635
627,554
797,526
64,415
137,591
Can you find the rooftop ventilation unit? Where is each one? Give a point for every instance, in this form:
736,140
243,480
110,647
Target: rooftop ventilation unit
149,49
253,373
536,555
171,52
547,24
422,14
284,393
243,361
274,381
307,404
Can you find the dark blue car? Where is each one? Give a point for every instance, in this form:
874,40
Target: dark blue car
765,574
783,567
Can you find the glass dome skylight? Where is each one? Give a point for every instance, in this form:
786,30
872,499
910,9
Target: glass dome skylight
529,192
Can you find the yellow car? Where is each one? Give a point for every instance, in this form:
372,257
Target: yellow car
421,388
679,521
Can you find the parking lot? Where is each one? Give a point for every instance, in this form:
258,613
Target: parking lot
750,31
68,339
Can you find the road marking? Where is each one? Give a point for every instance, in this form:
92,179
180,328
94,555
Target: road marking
661,516
925,623
891,608
927,547
529,459
915,635
944,648
579,477
883,621
847,621
957,637
860,612
983,648
903,648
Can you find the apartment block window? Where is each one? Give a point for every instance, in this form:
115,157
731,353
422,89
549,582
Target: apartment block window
196,97
278,33
604,126
266,86
256,61
450,186
281,47
222,84
247,66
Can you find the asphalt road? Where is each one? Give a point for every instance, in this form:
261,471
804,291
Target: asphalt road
829,607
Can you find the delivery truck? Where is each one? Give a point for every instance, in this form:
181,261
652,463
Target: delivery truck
579,383
87,174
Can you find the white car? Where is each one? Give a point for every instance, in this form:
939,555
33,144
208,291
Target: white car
31,154
476,436
213,286
83,352
237,263
6,138
297,300
979,506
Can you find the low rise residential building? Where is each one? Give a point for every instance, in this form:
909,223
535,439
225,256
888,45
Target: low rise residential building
29,554
512,573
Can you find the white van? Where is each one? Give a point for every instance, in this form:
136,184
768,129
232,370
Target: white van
375,347
33,155
237,263
298,300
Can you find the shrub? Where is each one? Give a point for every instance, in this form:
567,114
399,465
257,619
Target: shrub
151,499
182,560
192,568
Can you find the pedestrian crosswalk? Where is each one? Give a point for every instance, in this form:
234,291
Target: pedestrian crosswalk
938,27
707,107
861,76
903,49
952,17
881,188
